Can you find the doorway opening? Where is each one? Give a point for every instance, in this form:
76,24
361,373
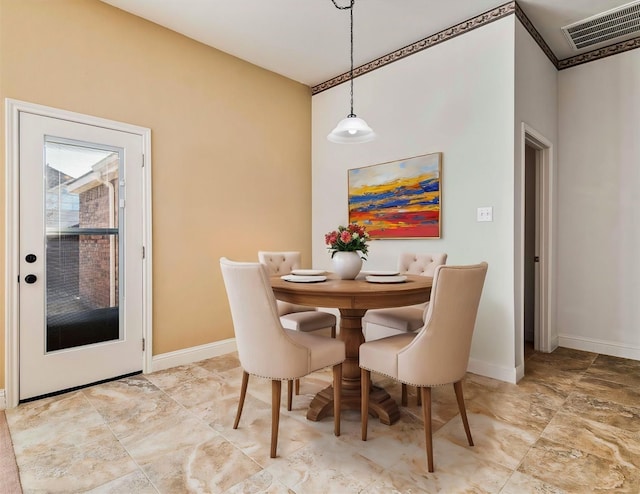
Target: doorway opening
536,253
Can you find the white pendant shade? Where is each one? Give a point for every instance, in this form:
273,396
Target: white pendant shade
351,130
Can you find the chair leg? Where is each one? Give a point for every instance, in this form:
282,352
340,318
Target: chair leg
419,395
337,397
276,389
365,383
289,394
333,331
426,415
297,387
457,386
404,399
243,393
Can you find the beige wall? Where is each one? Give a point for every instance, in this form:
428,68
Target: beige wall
231,145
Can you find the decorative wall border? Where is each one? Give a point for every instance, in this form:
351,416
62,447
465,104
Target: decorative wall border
445,35
528,25
504,10
607,51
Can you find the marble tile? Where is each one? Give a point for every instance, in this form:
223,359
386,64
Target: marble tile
550,384
457,470
221,364
37,435
574,470
539,392
214,465
253,435
218,412
566,359
570,426
503,443
520,483
444,405
181,431
133,405
322,463
610,391
262,482
198,392
74,468
385,445
617,370
565,370
133,483
609,443
517,407
64,407
604,411
169,378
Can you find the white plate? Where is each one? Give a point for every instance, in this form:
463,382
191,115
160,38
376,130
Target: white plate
303,279
386,279
308,272
383,273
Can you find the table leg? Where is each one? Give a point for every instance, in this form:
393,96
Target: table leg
380,403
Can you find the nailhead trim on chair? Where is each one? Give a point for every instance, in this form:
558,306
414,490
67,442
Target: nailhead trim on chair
278,378
407,382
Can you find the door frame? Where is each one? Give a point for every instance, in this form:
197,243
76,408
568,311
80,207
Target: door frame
13,108
546,208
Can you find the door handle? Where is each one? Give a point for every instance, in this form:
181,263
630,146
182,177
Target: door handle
30,279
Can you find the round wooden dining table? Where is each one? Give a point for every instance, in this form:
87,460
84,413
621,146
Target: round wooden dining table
353,298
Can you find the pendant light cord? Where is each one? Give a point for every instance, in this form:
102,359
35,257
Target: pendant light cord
350,8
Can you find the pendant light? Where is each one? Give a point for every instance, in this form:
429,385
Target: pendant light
351,129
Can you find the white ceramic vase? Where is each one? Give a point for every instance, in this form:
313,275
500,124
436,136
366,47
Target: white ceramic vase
346,265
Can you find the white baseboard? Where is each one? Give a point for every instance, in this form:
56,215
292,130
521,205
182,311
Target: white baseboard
3,400
193,354
519,372
600,346
493,371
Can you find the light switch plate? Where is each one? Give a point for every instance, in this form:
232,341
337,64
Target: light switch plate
485,214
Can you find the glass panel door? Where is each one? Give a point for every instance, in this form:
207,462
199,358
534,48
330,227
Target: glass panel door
81,279
82,243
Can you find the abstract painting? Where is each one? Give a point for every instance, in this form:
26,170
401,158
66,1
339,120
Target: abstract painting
398,199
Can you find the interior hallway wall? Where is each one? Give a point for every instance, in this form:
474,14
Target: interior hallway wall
599,206
536,105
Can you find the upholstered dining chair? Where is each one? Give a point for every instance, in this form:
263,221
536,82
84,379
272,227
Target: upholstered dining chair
268,350
294,316
410,318
439,353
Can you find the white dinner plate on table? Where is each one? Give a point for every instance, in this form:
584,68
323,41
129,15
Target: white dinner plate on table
386,279
383,273
308,272
303,279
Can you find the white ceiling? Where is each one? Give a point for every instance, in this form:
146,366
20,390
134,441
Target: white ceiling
308,40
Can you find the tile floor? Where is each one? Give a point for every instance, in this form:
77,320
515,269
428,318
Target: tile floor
571,425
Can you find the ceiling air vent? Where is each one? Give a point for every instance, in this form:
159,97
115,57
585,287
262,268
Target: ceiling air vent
620,22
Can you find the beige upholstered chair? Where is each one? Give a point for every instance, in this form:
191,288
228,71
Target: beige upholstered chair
293,316
268,350
439,353
410,318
